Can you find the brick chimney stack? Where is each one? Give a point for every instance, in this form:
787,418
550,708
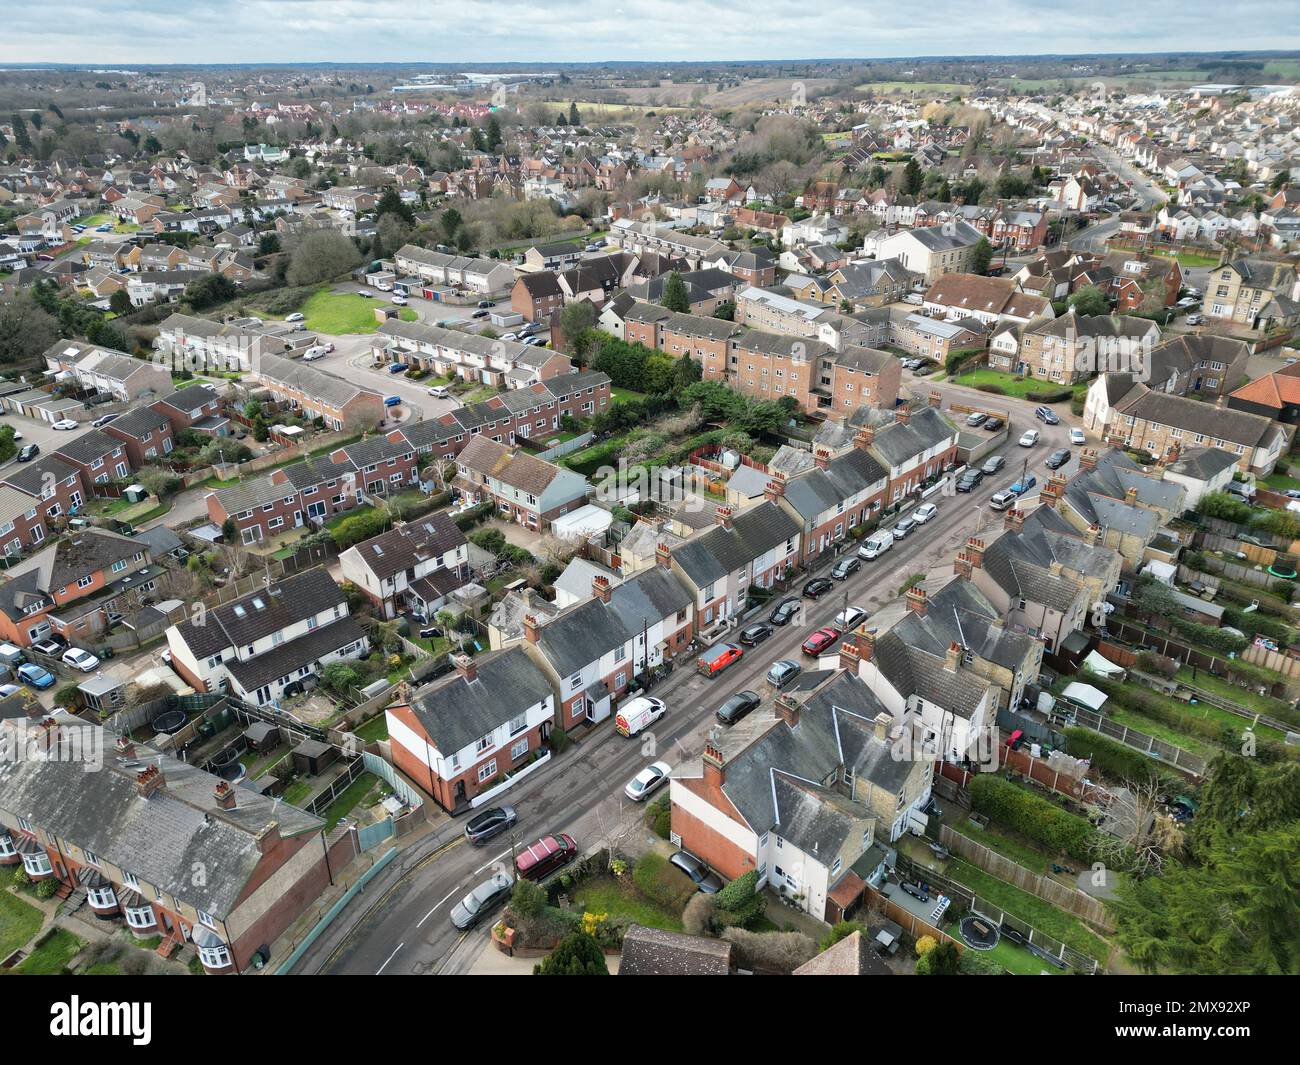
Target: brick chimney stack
962,566
1094,534
935,400
850,656
773,490
866,644
531,628
787,709
47,735
916,601
884,722
1014,520
148,781
953,658
465,667
1131,495
821,458
663,556
600,588
715,765
902,416
124,748
1052,492
225,795
864,438
1088,458
975,552
723,517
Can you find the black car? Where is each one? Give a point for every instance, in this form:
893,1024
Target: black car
489,823
993,425
969,480
845,566
785,611
706,881
737,707
29,452
992,465
755,634
817,587
1058,458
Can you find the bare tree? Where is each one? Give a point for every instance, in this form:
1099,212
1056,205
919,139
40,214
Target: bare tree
1137,830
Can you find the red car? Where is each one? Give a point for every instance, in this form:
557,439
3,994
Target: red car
820,641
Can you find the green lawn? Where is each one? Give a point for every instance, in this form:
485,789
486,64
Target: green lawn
51,957
1041,914
374,729
1011,384
1005,843
19,921
625,394
366,790
1280,482
345,312
605,895
1245,697
1015,959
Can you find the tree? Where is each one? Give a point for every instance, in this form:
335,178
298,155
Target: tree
574,117
576,319
912,177
322,255
577,954
675,297
1090,300
493,133
27,329
981,256
391,202
943,960
120,303
527,900
1236,913
209,291
451,222
839,931
686,371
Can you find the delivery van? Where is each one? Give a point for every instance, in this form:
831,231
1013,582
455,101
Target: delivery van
716,659
637,714
876,545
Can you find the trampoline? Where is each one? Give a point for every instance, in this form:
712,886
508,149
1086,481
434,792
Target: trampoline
170,722
978,932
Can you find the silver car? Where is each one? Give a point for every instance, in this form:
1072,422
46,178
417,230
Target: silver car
481,901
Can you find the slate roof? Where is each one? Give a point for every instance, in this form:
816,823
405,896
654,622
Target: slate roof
817,491
405,546
316,384
455,712
90,446
161,839
713,554
897,444
657,952
139,422
282,661
913,671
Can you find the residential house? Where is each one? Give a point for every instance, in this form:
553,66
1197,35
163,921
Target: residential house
413,567
525,489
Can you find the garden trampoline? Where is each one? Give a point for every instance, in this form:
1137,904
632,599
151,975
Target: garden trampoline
978,932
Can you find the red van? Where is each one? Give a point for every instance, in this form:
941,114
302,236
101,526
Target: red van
716,659
539,860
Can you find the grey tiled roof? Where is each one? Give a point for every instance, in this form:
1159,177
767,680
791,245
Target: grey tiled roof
713,554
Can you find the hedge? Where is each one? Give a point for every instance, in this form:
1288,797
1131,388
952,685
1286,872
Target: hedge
1037,819
1109,758
1056,395
662,883
475,515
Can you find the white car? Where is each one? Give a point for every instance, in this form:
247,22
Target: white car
312,354
850,618
924,513
1077,437
1028,438
400,301
297,316
64,423
439,392
79,659
652,776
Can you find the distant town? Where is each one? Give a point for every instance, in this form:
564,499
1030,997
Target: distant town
789,518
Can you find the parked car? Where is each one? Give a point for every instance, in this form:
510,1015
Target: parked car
993,425
902,528
36,676
313,353
7,690
439,392
755,634
297,316
1077,437
737,706
1188,301
1028,438
64,423
876,545
924,513
102,420
29,452
1002,500
52,646
540,859
817,587
482,900
392,401
397,367
638,714
718,658
849,618
398,301
783,672
1023,484
1058,458
708,882
976,418
819,641
479,314
845,567
991,466
79,659
785,610
651,777
482,827
1195,319
969,480
487,303
1046,415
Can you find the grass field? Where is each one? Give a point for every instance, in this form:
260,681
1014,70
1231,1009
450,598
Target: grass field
19,921
903,87
345,312
1011,384
1016,960
605,895
51,957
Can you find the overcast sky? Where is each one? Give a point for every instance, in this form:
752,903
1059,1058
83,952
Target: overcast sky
137,32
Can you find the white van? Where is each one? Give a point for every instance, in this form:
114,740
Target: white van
876,545
314,353
639,713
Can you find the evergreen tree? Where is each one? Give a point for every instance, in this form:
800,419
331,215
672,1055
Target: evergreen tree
675,296
577,954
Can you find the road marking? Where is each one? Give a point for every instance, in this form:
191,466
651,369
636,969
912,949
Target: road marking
490,862
390,958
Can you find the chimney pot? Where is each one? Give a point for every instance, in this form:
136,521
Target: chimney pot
773,491
723,517
935,400
975,552
663,556
466,667
787,709
1014,520
864,438
866,644
916,601
715,765
600,588
821,458
884,722
953,658
225,795
148,781
531,628
124,747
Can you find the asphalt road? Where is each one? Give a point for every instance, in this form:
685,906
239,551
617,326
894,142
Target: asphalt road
401,923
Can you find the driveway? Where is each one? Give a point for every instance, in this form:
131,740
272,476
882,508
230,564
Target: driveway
41,434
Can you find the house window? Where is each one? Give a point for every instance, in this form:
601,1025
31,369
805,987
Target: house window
518,724
519,749
215,957
102,898
91,859
487,770
207,919
130,880
141,917
37,864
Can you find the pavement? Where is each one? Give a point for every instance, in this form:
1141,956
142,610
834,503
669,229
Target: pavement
401,923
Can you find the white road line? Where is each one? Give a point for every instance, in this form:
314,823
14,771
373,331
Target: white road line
390,958
490,862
